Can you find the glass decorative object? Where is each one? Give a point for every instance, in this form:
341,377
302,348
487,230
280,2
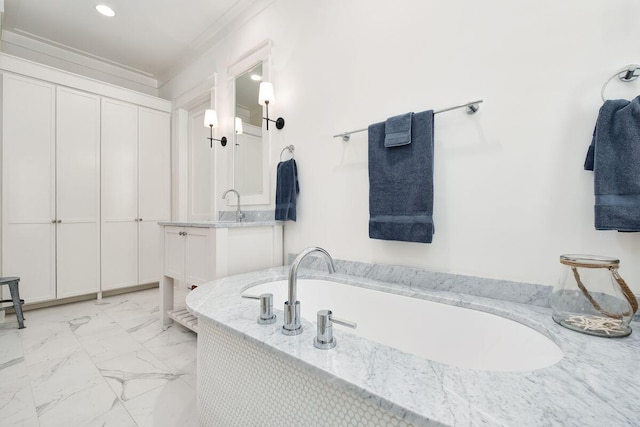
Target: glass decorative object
592,298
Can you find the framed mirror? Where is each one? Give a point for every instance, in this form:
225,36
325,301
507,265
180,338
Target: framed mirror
250,159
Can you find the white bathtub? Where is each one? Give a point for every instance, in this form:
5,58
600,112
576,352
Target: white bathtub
438,332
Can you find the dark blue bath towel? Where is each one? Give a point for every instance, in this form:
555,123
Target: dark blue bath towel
401,183
287,189
614,157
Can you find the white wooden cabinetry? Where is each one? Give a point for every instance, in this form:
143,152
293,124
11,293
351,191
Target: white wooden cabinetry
154,184
28,186
50,188
77,192
119,160
85,179
199,253
135,192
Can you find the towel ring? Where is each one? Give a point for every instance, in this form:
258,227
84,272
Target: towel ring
291,149
626,74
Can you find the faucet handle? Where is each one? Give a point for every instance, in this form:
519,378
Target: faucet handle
266,308
343,322
324,339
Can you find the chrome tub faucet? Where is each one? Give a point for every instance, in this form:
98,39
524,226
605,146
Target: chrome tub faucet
292,325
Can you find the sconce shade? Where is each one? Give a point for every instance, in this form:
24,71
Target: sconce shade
238,126
210,118
266,93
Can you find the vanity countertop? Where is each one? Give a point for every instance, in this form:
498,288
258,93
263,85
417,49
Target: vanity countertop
220,224
596,383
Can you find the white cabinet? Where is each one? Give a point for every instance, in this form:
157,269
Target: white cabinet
28,186
197,254
50,189
119,162
77,192
186,251
135,192
154,184
85,179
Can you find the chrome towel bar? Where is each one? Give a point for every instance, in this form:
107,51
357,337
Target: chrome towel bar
471,107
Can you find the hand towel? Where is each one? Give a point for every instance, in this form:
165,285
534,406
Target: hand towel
401,184
287,189
397,130
614,157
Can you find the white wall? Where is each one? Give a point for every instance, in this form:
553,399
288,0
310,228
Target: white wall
510,192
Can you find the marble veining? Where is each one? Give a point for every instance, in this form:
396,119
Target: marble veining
251,216
416,278
596,383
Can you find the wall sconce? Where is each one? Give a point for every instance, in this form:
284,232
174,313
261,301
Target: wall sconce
265,96
211,120
238,126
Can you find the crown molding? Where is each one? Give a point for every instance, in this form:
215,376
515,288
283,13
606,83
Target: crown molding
64,57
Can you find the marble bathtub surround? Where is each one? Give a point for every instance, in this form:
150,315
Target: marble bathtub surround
596,383
416,278
105,362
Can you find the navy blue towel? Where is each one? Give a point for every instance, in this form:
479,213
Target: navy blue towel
397,130
401,183
287,189
614,157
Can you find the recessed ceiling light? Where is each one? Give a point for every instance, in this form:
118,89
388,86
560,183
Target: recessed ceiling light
105,10
256,77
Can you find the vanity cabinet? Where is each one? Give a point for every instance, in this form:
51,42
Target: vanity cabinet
196,253
187,250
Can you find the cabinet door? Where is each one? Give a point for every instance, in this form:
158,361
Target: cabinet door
199,255
77,192
28,179
174,255
154,184
119,195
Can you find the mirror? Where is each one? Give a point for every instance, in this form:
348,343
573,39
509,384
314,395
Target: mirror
250,150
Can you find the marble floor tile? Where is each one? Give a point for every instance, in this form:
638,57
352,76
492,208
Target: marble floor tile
12,365
135,373
95,406
54,379
98,363
109,344
16,403
175,346
168,406
47,340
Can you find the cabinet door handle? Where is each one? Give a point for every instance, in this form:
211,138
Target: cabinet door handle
139,219
53,221
59,221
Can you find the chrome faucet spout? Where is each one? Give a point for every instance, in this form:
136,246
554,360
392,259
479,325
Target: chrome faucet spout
239,214
292,325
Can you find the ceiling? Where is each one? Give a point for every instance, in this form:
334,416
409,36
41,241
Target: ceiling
145,36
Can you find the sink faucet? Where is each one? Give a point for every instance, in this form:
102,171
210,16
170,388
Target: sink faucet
292,325
239,214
